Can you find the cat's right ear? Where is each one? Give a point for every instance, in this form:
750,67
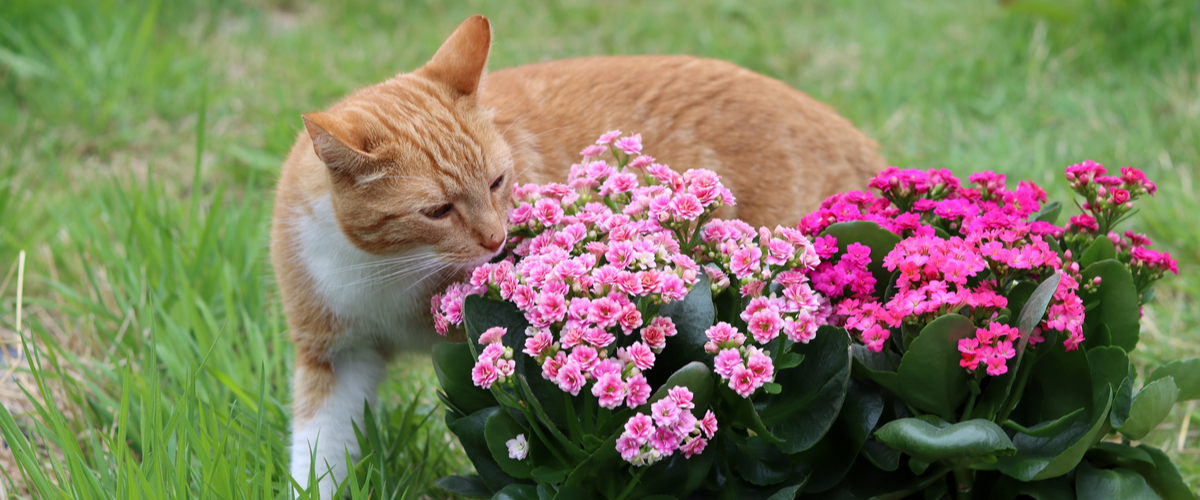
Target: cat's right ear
462,58
336,143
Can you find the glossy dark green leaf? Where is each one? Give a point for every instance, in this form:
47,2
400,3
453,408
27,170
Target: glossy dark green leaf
1049,212
929,375
692,316
1187,377
452,362
1150,406
1112,483
1108,365
1107,454
759,462
737,489
470,433
827,462
1034,308
517,492
480,314
1043,458
865,481
1057,488
880,240
739,412
931,439
1048,429
812,393
1100,249
501,427
549,475
1164,477
467,486
1118,299
879,367
1066,382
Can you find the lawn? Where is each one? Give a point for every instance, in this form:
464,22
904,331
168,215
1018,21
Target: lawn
140,140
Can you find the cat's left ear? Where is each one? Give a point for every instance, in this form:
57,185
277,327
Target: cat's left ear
462,59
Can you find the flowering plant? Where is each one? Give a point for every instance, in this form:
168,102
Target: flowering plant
631,345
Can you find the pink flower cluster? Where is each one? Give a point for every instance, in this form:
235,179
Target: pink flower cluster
991,347
962,248
594,259
495,363
745,368
669,427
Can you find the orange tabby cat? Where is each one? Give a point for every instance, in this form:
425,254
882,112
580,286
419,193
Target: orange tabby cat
406,183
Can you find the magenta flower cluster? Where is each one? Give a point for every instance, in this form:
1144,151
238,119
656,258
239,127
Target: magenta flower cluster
669,427
962,248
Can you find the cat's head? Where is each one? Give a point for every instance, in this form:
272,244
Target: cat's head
415,161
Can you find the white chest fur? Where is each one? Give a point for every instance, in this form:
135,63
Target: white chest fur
382,299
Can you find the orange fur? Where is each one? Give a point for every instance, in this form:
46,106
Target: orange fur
405,184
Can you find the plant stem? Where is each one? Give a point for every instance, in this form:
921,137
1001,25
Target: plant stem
589,423
1015,397
573,422
963,482
923,484
629,487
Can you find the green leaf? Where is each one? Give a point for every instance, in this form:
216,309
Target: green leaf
1057,488
930,377
549,475
467,486
1034,308
1187,377
452,362
1043,458
501,427
931,439
1111,454
470,432
1047,429
517,492
481,314
1118,303
1112,483
1108,365
760,462
676,475
692,316
1164,477
1066,383
1049,212
740,413
827,462
812,393
788,360
1101,249
879,367
880,240
1150,406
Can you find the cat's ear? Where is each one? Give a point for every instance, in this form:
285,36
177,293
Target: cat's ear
462,59
337,143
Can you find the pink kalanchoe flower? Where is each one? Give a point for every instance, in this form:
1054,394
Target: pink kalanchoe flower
664,412
765,325
484,374
726,362
492,335
638,391
610,390
640,427
570,378
762,367
743,381
745,262
665,440
628,447
608,137
692,447
682,397
708,424
548,211
630,145
492,352
642,356
592,151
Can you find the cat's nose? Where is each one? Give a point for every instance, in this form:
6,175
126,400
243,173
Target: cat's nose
493,242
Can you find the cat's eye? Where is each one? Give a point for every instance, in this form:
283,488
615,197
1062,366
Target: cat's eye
438,212
496,183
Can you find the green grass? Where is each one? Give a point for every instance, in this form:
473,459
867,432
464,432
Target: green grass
139,141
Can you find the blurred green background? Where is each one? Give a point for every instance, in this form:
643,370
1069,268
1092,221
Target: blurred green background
140,140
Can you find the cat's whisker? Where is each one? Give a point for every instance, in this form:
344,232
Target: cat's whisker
402,259
535,136
396,275
514,122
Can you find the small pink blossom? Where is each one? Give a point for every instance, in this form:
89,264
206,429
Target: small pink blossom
492,335
638,391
